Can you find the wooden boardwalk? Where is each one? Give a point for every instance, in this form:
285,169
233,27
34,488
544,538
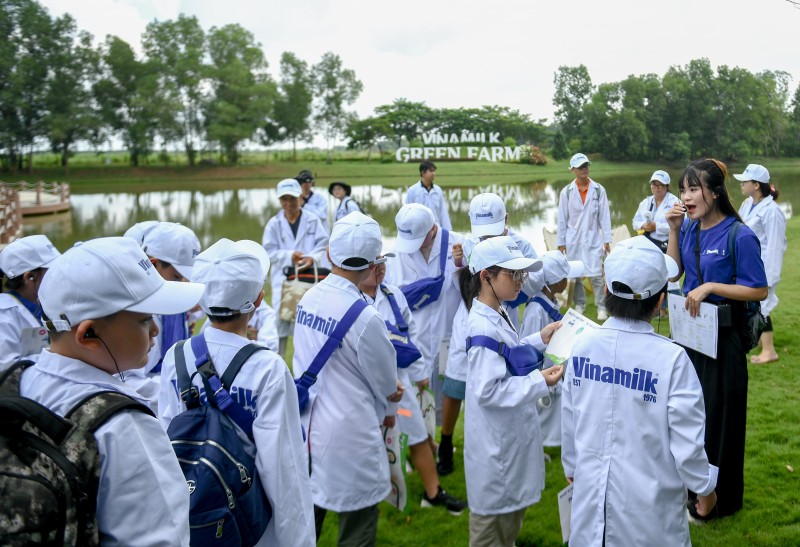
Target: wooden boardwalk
20,199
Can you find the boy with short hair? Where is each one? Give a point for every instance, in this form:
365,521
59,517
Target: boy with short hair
98,299
426,193
234,274
633,418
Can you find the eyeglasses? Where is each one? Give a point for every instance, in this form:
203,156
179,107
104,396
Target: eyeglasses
518,276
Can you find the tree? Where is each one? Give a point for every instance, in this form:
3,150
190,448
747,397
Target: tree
407,119
293,106
243,93
130,99
368,133
573,90
73,63
335,88
176,49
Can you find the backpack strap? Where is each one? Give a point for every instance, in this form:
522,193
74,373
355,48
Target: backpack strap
96,409
309,377
189,394
732,233
443,250
492,345
400,322
551,311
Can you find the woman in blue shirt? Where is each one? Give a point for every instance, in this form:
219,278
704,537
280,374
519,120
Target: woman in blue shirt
711,216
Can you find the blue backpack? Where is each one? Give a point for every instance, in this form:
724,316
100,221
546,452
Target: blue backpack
406,351
426,291
227,503
520,360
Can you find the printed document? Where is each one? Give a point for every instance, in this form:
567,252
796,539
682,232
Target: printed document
573,326
698,333
565,511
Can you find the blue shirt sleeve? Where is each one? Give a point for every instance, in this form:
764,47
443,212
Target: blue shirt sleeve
749,266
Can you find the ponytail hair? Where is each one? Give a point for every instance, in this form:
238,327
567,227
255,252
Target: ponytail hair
768,189
470,284
710,173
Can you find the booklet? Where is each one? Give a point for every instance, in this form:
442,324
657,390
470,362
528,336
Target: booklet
698,333
573,326
565,511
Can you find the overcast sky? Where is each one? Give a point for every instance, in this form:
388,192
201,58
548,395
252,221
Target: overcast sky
472,53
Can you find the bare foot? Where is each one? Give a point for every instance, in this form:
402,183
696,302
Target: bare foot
762,358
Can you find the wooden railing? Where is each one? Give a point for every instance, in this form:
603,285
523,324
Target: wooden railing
10,214
59,189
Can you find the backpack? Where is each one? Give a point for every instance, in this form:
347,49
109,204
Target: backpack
50,466
227,502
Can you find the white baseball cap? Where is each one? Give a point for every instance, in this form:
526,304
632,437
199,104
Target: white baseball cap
140,229
289,187
577,160
413,221
26,254
660,176
501,251
556,267
173,243
487,215
640,265
356,242
754,172
233,274
107,275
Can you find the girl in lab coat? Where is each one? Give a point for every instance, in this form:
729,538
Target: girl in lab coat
503,455
703,238
762,215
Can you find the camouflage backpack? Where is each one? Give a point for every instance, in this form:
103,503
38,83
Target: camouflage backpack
49,466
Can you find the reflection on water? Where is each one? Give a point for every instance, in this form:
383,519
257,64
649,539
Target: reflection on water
242,213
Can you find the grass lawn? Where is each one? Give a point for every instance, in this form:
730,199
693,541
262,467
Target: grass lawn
771,514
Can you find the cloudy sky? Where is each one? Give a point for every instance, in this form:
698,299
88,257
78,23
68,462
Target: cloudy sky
471,53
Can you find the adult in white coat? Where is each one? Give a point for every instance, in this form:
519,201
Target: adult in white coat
354,393
23,263
98,300
633,417
762,215
419,256
584,230
313,202
234,275
503,456
650,219
488,218
292,238
426,193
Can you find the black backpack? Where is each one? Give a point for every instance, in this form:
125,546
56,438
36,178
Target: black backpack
49,465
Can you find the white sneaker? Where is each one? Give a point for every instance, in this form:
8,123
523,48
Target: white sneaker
602,315
579,309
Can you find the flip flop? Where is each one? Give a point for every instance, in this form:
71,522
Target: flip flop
757,360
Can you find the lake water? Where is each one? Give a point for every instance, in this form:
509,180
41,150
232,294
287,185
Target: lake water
243,213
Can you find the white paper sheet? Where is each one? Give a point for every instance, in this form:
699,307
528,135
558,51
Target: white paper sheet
565,511
698,333
573,326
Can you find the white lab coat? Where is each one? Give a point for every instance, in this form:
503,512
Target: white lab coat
142,498
534,320
318,204
409,418
281,459
433,200
769,224
22,336
632,452
584,227
348,403
661,232
435,321
346,206
503,455
280,243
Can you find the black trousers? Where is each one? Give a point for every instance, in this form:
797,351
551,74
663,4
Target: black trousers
724,382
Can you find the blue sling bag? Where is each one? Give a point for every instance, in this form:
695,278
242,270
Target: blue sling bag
520,360
406,351
549,309
424,292
309,377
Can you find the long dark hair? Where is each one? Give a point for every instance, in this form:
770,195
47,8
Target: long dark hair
470,284
710,173
768,189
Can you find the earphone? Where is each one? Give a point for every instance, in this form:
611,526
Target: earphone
90,333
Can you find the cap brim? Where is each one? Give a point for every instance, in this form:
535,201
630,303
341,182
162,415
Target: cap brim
184,270
408,245
742,177
522,263
171,298
672,266
293,194
484,230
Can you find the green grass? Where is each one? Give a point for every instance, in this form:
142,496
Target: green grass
771,514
